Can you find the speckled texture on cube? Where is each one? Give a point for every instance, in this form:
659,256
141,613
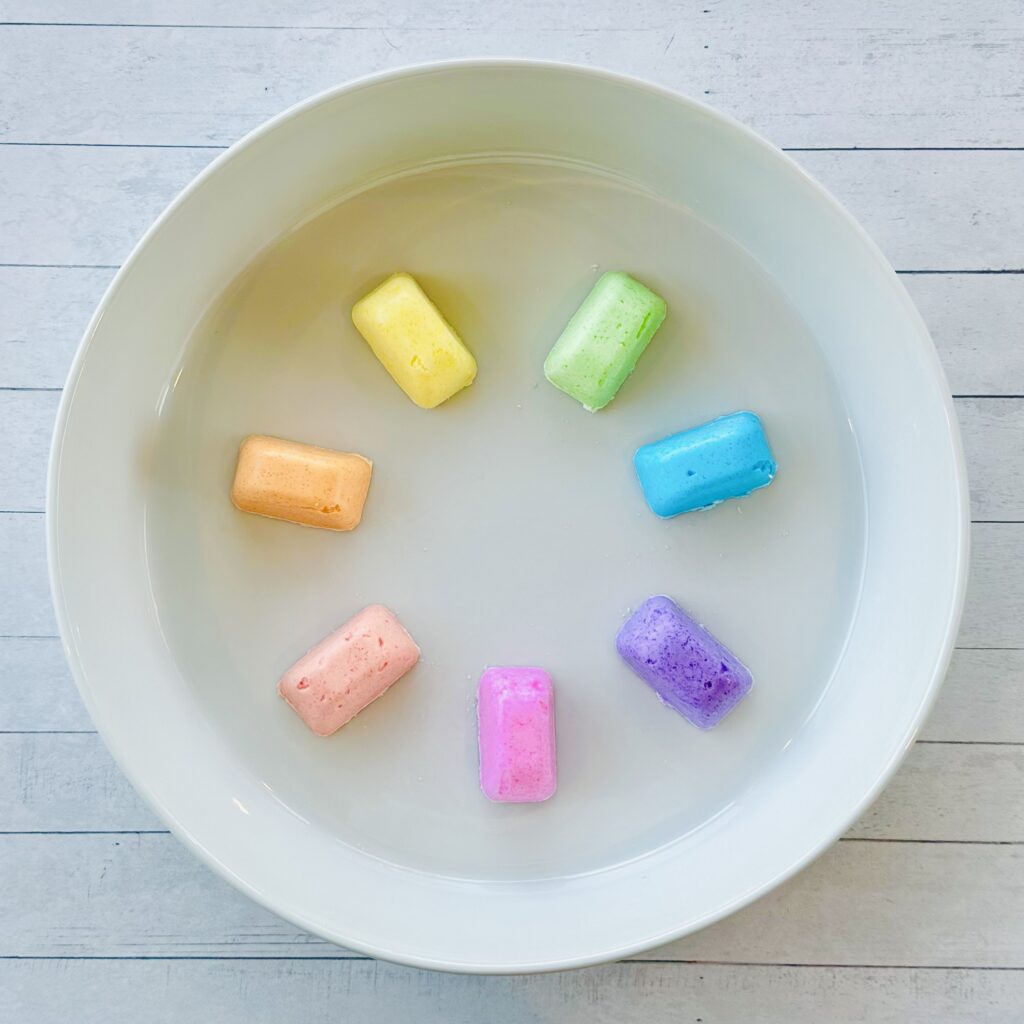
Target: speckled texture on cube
300,483
601,344
328,686
516,719
728,457
413,341
682,662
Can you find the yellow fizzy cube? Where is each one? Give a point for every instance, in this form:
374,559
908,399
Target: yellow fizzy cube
416,345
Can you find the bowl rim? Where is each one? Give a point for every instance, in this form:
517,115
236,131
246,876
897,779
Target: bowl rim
925,344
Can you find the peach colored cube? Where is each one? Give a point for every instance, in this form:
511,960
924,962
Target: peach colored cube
349,669
301,483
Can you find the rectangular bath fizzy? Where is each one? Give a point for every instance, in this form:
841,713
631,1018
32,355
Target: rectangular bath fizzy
414,342
601,344
349,669
301,483
682,662
516,717
726,458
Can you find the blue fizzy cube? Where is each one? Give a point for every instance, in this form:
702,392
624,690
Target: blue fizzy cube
726,458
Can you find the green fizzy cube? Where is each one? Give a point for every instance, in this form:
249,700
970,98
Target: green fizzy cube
601,344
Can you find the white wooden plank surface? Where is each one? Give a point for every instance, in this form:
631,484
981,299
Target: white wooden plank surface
317,992
917,914
993,436
977,323
981,701
861,903
825,73
881,903
994,609
36,690
43,313
966,793
25,608
929,210
26,423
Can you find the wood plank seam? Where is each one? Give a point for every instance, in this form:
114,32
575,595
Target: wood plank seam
582,30
350,957
167,832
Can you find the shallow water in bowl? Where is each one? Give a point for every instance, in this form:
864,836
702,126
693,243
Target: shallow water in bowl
506,526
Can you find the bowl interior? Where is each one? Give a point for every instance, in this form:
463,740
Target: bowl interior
506,527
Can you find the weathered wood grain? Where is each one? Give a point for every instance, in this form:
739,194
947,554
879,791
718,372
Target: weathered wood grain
86,206
43,314
994,609
967,793
867,903
26,425
806,74
977,324
949,793
316,992
928,210
368,17
993,436
36,689
61,783
982,699
881,903
25,608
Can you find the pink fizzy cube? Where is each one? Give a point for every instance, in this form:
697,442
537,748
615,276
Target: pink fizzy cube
516,716
349,669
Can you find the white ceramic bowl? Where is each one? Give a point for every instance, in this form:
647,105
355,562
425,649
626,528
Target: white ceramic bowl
505,527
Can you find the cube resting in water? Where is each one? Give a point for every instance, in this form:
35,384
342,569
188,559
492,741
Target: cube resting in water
601,344
516,717
301,483
416,345
349,669
682,662
726,458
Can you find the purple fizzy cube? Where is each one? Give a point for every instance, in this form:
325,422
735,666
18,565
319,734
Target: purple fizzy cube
682,662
